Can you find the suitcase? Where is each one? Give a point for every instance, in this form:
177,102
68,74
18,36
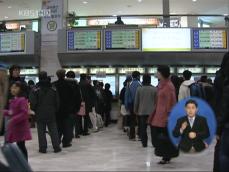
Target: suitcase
15,158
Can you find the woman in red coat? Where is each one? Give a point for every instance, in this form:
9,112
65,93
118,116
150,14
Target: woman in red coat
18,128
166,99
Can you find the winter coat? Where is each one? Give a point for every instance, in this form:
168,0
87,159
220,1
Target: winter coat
67,99
44,101
18,128
184,91
166,99
108,97
145,100
88,95
130,94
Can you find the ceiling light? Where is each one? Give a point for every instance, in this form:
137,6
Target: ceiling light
139,0
194,0
6,17
114,15
85,2
226,14
9,7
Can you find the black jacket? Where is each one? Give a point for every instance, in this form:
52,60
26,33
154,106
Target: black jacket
108,97
200,127
76,93
224,122
67,99
44,101
218,90
88,95
122,95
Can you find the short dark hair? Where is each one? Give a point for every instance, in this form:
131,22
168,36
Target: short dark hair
31,82
107,86
61,73
136,74
164,71
204,78
187,74
14,67
191,101
21,87
71,74
83,77
146,79
43,76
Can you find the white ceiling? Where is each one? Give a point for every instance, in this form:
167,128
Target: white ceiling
9,9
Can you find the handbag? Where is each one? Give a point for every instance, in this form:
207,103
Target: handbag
82,111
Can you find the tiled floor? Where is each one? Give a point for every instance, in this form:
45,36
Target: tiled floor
110,150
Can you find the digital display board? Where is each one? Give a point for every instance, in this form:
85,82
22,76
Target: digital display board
122,39
209,39
166,39
84,40
12,43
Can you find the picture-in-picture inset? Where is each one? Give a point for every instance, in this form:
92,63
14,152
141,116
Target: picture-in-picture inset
192,125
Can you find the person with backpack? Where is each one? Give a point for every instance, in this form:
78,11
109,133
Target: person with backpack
184,90
144,106
44,101
129,102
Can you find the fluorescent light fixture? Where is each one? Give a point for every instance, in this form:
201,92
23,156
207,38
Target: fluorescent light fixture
139,0
6,17
194,0
114,15
85,2
9,7
226,14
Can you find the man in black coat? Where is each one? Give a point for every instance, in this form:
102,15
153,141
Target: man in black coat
193,129
44,101
70,77
67,110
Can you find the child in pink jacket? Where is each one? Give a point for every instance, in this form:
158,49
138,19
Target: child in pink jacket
18,129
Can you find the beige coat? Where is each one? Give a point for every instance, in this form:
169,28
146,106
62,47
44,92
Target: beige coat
184,91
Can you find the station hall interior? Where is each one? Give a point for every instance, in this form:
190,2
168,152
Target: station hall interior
108,42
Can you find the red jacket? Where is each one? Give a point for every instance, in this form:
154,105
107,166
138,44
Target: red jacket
166,99
18,128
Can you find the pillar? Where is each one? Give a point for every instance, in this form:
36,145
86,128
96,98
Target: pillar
166,13
50,24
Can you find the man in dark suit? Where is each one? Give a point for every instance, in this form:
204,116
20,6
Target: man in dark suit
193,129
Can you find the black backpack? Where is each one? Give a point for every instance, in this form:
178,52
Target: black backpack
196,90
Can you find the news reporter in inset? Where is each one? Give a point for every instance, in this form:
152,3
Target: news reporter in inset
192,128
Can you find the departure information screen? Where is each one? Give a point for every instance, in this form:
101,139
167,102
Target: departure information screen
166,39
12,42
84,40
209,39
125,39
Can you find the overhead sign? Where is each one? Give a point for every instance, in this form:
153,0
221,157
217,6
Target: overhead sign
12,42
166,39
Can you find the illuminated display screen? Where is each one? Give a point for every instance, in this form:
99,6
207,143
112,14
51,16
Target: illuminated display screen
209,39
84,40
166,39
125,39
12,42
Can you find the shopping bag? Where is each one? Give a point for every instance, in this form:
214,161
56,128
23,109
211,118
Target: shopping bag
82,111
123,111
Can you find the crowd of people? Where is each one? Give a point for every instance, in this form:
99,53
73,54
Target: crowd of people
143,104
63,109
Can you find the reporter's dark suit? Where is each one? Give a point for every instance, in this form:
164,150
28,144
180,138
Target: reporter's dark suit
200,127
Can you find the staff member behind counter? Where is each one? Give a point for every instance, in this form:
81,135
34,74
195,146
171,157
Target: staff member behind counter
192,129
